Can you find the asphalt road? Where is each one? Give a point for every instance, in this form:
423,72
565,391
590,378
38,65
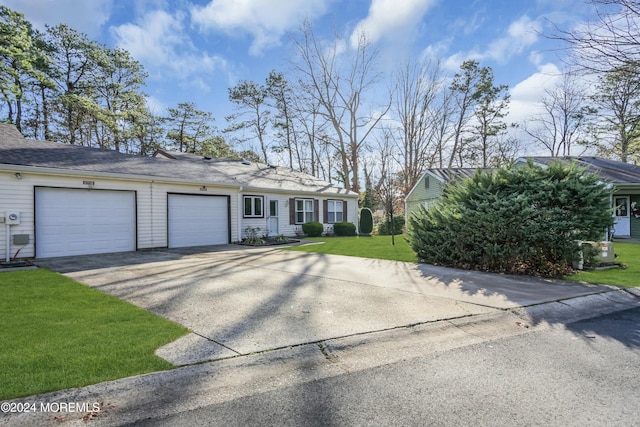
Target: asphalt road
580,374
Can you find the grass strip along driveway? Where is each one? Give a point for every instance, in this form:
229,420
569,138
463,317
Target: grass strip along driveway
380,247
57,333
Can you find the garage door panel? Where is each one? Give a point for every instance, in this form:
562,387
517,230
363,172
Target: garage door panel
76,222
197,220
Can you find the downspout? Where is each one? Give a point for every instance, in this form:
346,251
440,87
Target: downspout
240,212
607,234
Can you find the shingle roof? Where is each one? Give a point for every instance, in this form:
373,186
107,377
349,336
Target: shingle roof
16,150
610,170
448,174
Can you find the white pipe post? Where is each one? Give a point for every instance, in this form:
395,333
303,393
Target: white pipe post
8,243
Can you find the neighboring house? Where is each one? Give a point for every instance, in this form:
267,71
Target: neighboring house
73,200
624,179
429,187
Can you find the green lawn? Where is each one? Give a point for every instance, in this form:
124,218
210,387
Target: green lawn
629,254
57,333
379,247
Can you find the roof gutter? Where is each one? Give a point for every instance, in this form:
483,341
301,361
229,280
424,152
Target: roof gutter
37,170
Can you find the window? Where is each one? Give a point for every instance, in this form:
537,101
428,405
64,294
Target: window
253,207
334,211
304,210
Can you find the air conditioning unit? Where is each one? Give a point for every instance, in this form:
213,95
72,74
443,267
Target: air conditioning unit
602,251
12,218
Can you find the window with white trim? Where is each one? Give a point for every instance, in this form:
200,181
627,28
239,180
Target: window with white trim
334,211
253,206
304,210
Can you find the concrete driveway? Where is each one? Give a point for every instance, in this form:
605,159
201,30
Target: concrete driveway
239,300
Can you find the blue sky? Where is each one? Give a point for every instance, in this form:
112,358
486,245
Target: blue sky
195,50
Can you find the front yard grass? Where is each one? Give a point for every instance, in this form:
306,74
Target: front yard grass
57,333
629,254
378,247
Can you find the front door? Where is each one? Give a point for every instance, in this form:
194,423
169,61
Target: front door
621,214
274,229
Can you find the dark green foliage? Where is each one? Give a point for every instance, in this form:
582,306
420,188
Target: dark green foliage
366,221
344,229
312,229
384,227
521,220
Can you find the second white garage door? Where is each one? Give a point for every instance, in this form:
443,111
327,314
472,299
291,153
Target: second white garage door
197,220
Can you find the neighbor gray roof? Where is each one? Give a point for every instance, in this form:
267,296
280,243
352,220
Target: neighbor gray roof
449,174
16,150
612,171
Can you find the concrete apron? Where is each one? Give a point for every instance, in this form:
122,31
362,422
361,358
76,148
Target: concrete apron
245,301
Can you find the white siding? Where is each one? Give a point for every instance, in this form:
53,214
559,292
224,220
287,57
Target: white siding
151,209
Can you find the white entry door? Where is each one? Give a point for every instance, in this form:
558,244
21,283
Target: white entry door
274,227
622,217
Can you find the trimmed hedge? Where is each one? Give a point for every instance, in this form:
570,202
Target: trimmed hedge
312,229
366,221
344,229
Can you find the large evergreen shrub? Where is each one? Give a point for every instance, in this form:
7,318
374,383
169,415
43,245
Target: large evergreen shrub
384,227
312,229
522,220
344,229
366,221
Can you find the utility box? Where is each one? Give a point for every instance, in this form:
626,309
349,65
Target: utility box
603,252
20,239
12,218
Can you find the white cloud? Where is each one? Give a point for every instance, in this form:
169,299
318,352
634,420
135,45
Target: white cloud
525,96
266,21
84,16
159,40
533,87
390,17
155,106
520,35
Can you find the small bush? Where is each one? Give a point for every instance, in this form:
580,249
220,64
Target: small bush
384,228
312,229
366,221
344,229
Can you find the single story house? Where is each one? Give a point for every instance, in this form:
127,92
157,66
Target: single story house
429,187
624,179
61,200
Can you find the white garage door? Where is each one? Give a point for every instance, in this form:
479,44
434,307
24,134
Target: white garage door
197,220
78,222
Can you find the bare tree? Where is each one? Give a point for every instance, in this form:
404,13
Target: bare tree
416,106
563,119
338,85
618,99
610,41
